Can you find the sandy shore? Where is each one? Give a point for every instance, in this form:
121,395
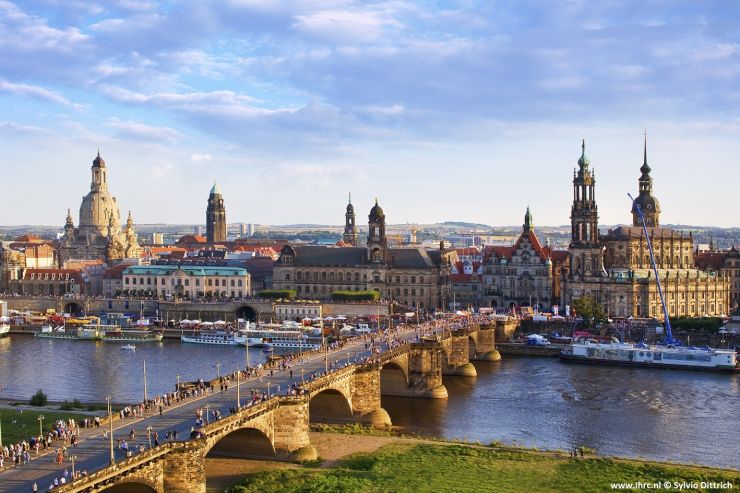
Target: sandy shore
225,472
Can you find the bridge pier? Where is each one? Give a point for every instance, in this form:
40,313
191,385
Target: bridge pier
366,407
486,344
291,430
457,351
184,468
417,372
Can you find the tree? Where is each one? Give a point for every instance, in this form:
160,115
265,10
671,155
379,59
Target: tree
355,295
277,293
589,309
38,399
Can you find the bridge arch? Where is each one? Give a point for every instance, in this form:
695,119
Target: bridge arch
472,347
329,406
243,443
246,312
73,309
133,485
393,378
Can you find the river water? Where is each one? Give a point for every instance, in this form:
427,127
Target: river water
539,402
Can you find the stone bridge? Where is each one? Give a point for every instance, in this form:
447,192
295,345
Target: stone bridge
279,427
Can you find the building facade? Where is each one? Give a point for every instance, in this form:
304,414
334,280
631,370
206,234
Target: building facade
186,281
413,276
50,282
215,217
99,234
296,311
615,269
520,275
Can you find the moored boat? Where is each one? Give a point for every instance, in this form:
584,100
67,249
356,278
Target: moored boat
4,329
217,338
650,356
128,347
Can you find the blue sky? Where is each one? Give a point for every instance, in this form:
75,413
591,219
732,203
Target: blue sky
466,110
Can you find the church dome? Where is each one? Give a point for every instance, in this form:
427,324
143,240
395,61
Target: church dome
376,211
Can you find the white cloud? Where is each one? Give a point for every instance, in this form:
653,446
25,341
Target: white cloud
36,92
197,158
138,131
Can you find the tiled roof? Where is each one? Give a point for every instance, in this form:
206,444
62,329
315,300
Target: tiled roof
201,270
710,260
626,232
405,257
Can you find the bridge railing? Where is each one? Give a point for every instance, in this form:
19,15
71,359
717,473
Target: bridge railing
110,473
325,381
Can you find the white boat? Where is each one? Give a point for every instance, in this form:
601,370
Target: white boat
217,338
128,347
283,339
651,356
4,329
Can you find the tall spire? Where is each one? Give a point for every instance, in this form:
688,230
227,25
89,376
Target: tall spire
528,226
583,162
350,197
645,169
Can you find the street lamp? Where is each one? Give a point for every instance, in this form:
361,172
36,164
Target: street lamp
73,458
1,431
268,390
238,395
41,425
302,371
110,429
208,411
149,435
178,382
218,370
145,397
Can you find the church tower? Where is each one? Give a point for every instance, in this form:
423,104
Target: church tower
528,224
649,204
376,242
350,228
215,217
586,252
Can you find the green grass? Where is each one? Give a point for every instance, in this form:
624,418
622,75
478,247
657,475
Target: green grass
432,468
18,426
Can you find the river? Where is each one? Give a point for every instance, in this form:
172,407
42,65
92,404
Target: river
539,402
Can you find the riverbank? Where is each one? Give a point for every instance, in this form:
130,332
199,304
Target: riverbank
370,463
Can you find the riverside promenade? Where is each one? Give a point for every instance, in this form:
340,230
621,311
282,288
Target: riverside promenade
93,449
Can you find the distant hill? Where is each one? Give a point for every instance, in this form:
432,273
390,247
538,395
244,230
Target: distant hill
461,224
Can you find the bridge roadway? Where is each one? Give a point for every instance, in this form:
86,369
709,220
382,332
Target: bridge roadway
93,450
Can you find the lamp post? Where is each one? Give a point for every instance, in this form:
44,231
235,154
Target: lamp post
208,411
238,394
145,397
149,435
326,356
41,425
73,458
268,390
218,370
110,429
178,383
302,371
1,431
247,346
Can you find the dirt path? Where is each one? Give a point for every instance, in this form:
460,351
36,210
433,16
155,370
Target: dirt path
225,472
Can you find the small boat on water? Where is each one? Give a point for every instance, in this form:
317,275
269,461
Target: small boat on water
117,334
70,333
4,329
128,347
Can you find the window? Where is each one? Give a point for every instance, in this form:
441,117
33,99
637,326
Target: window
133,280
125,281
232,281
299,276
187,282
239,282
287,278
197,282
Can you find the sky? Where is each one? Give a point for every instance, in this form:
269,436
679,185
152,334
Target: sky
467,110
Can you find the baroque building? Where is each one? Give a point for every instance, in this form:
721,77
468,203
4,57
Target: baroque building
615,269
99,234
215,217
414,276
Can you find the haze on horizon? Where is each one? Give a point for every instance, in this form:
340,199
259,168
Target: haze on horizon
466,111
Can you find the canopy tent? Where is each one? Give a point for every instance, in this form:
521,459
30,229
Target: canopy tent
341,317
219,322
207,323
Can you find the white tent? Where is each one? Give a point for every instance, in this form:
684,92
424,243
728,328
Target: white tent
328,319
341,317
185,322
219,322
207,323
317,319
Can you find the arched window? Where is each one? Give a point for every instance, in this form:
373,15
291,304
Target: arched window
299,276
323,276
287,276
